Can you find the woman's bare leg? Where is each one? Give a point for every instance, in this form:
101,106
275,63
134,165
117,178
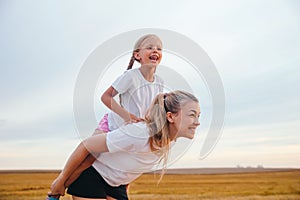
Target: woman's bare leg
81,198
110,198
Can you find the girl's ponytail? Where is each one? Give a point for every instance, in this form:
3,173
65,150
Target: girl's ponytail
132,59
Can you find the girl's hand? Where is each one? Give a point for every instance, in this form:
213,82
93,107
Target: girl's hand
133,119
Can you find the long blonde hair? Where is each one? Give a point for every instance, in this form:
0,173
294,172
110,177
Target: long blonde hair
156,119
137,47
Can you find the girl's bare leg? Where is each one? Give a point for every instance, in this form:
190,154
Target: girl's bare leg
90,159
74,161
79,160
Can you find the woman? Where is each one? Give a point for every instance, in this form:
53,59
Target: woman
124,154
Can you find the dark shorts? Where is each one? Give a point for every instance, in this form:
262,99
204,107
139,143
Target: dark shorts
90,184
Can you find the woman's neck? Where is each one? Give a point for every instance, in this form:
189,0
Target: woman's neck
148,72
173,131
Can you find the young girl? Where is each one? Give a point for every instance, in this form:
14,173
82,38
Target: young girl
136,89
127,152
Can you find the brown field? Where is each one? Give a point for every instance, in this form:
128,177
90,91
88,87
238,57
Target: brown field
266,185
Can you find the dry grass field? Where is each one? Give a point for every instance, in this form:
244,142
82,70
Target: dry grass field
239,186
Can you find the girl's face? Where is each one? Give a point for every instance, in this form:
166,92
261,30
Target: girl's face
187,120
150,51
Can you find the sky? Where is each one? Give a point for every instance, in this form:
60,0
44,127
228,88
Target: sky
254,45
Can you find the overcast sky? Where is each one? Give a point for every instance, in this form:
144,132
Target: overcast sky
253,44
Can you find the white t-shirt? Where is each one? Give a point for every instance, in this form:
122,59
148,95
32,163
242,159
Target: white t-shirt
136,95
129,155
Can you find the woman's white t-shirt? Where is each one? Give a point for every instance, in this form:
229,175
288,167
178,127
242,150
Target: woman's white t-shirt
136,95
129,155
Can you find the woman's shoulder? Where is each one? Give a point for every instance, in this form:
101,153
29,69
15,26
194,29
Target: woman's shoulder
138,130
130,137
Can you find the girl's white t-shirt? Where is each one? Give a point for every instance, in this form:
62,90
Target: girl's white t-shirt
129,155
136,95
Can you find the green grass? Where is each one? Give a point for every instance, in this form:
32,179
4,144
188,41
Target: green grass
256,186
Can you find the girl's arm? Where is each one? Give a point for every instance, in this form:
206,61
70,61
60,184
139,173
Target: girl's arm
108,99
92,145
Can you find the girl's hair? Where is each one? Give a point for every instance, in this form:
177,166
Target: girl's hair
137,47
157,122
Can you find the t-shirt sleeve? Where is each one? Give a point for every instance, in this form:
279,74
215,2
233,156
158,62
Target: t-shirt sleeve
125,138
123,82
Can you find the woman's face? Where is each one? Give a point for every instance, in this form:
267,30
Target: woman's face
187,120
150,51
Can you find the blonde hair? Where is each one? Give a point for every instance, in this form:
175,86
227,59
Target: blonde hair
156,119
137,47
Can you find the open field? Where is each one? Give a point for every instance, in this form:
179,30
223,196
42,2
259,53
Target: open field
266,185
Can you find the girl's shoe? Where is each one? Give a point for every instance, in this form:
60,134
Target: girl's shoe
53,197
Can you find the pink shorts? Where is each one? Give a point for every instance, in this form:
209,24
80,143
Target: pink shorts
103,124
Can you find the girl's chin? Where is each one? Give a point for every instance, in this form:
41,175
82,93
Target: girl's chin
151,64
